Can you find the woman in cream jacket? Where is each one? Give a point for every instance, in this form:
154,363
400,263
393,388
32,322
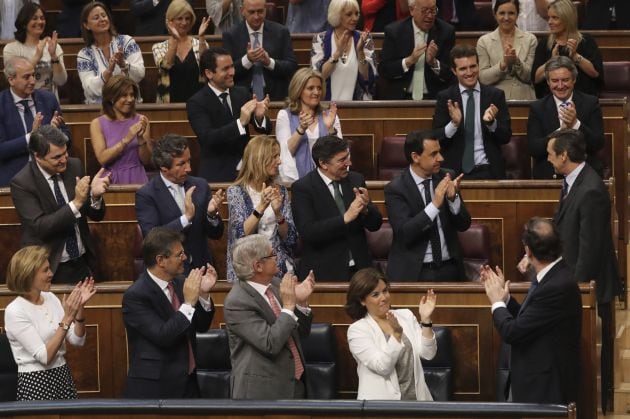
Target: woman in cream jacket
388,344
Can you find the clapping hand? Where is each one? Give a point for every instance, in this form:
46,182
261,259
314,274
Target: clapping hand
426,306
304,289
497,288
454,112
100,183
86,290
208,279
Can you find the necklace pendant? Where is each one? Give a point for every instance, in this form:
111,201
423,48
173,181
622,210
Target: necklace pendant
344,57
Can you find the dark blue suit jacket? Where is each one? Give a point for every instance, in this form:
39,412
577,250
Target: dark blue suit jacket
155,207
158,340
13,146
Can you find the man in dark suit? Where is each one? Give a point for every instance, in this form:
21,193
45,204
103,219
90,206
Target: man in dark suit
158,202
262,52
472,120
265,318
583,219
425,245
162,312
53,200
543,331
331,208
220,113
563,108
22,110
150,16
414,58
462,14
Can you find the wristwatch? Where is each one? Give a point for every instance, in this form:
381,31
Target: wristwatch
64,326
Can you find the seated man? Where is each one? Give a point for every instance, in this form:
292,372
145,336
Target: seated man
181,202
162,312
331,209
267,359
53,200
564,107
414,58
473,120
262,52
219,114
22,110
426,212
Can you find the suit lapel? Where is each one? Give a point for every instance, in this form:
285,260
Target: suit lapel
164,193
267,312
416,201
42,185
570,198
552,113
158,297
322,190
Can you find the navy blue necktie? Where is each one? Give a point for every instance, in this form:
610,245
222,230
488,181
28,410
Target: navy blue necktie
72,245
434,234
226,105
468,159
28,115
565,190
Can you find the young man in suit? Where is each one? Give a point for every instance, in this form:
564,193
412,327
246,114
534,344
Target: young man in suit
53,200
331,209
265,317
162,312
426,212
220,113
22,110
544,330
472,120
181,202
414,59
564,107
262,53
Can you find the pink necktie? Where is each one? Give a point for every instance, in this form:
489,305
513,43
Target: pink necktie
175,304
299,368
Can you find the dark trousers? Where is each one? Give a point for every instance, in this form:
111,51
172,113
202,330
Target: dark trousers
605,313
447,271
72,271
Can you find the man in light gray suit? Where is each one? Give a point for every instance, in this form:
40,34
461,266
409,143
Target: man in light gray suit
265,317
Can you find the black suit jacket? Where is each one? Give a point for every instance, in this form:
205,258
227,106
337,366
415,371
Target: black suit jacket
453,148
543,120
545,339
466,14
219,139
43,221
155,206
326,239
277,43
583,219
411,227
158,340
399,43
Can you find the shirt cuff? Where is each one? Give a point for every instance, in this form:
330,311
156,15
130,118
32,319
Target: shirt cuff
577,124
290,313
454,205
493,126
450,129
75,211
404,66
155,2
206,304
187,310
28,138
214,221
96,203
263,124
272,64
304,310
241,128
498,304
431,211
246,63
183,220
436,69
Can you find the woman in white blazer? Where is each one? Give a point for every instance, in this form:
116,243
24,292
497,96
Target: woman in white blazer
388,344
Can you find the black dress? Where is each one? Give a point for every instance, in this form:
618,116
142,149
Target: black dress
184,77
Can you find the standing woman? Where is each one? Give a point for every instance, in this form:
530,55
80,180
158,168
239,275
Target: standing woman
565,39
177,58
38,325
302,122
105,53
388,344
506,55
44,52
121,138
344,55
259,205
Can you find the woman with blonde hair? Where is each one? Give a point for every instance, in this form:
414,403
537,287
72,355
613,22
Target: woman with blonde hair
257,204
121,138
177,58
302,122
565,39
38,326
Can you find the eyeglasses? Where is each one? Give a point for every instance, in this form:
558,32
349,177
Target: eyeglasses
272,255
429,11
180,255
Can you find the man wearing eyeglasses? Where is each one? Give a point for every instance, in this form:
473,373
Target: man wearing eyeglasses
162,312
265,317
414,58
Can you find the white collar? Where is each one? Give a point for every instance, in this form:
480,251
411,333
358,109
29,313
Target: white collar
251,31
540,275
217,91
160,282
462,88
570,178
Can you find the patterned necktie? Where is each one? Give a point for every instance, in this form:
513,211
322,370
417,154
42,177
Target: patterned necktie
468,160
338,197
28,115
434,234
565,190
226,105
299,367
417,81
532,288
176,304
72,244
258,79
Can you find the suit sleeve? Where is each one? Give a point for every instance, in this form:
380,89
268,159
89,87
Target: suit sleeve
213,231
229,44
441,117
408,227
365,350
593,128
391,63
149,216
11,147
593,231
286,63
445,43
201,121
503,133
489,72
536,135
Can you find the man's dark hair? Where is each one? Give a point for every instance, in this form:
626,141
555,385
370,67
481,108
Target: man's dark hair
208,60
167,148
542,238
462,51
569,140
43,137
159,242
415,142
326,147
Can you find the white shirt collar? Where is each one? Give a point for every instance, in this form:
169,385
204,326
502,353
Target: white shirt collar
416,28
259,30
168,183
217,91
17,99
540,275
570,178
160,282
462,88
46,175
325,178
417,179
558,101
260,288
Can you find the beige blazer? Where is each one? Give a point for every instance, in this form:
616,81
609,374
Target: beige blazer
515,81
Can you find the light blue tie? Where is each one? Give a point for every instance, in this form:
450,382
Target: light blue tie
258,80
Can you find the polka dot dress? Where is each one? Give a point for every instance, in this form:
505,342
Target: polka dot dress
52,384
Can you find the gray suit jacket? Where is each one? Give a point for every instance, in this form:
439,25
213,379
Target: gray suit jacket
262,364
